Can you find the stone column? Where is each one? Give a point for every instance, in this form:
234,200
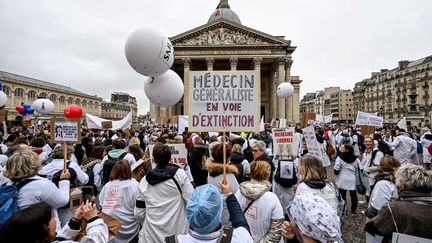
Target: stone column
296,103
273,96
186,68
257,67
289,102
210,62
280,79
233,62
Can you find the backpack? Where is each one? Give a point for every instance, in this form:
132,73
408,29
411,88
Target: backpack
331,194
247,153
108,166
419,148
287,176
73,175
8,203
373,157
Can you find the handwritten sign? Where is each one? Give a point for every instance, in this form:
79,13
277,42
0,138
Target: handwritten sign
314,148
369,119
65,131
283,142
178,154
224,100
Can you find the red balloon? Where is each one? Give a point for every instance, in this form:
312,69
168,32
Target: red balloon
73,111
20,108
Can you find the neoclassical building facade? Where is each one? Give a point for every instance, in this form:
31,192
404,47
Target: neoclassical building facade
225,44
20,89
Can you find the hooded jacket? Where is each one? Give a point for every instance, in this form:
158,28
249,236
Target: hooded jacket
161,202
243,166
265,215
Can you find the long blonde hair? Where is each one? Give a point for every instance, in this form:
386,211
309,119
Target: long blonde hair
312,168
21,165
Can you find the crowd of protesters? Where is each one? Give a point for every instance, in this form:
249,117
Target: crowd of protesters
257,197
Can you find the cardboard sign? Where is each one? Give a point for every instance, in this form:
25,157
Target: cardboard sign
308,118
178,154
106,125
224,101
314,148
3,115
68,131
367,130
283,142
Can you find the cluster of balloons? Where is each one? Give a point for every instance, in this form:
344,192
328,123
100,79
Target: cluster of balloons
73,111
24,109
150,53
285,90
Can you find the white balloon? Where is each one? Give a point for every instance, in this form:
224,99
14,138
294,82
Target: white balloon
43,106
285,90
149,52
165,90
3,98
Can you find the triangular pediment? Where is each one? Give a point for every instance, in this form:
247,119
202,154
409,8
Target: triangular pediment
224,32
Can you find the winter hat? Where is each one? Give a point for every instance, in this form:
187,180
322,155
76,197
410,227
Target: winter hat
315,217
204,209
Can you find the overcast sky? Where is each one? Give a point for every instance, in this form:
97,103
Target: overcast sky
80,43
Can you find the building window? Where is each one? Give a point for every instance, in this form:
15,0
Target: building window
19,92
77,102
6,90
62,99
32,94
70,101
53,98
43,94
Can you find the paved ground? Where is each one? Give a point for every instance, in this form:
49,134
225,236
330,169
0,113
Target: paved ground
353,228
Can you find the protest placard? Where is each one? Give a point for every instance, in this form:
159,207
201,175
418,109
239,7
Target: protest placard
313,147
224,101
369,119
283,143
68,131
178,154
307,119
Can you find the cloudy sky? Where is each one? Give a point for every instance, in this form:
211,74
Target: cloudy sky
80,43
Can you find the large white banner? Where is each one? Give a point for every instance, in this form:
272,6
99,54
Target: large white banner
369,119
95,122
224,101
182,123
314,148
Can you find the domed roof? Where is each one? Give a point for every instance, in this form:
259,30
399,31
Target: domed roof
223,11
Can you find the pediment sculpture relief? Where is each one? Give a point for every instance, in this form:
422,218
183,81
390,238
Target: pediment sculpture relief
223,36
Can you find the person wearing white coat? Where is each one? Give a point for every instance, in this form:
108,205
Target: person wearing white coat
404,148
24,165
117,199
344,170
261,207
370,161
162,197
383,192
